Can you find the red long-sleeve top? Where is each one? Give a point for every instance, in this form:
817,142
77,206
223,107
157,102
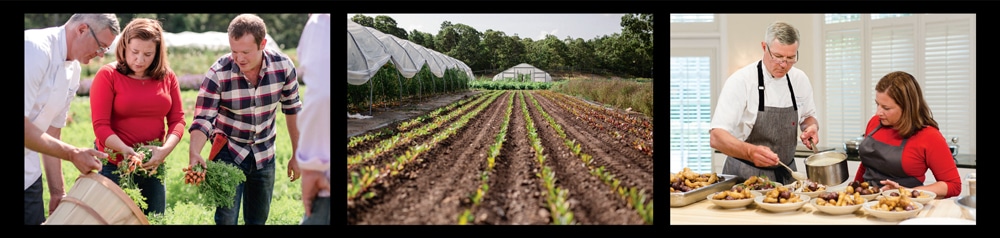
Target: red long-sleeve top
134,109
925,149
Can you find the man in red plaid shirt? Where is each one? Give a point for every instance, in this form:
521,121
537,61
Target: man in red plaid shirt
239,101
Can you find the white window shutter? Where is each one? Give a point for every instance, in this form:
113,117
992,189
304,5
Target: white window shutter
690,113
948,74
843,74
892,49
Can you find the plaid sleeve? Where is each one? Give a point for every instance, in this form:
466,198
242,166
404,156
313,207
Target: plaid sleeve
207,106
290,104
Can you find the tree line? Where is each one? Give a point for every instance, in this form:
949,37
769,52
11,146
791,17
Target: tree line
284,28
629,53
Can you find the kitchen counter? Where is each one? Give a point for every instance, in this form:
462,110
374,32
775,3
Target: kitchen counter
706,213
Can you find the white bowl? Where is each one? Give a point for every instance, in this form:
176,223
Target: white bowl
835,210
894,216
781,207
728,204
922,200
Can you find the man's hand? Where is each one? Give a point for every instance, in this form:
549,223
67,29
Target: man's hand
762,156
86,160
54,200
196,160
293,169
313,181
810,134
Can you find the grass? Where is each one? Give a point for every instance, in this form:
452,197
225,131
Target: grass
183,60
636,94
286,203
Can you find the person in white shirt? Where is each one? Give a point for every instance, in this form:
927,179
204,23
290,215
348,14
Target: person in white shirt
759,107
52,58
313,154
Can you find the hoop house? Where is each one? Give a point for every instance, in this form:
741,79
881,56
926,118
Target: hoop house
365,54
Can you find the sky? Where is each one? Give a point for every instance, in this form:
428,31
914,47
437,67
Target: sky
534,26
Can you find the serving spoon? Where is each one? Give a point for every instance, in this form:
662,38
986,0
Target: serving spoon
797,175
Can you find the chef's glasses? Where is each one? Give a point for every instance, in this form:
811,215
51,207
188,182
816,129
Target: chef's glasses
781,59
100,50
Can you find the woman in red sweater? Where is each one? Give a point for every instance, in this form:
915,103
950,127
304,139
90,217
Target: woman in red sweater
902,141
131,98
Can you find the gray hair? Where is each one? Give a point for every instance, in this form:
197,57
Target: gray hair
785,34
98,21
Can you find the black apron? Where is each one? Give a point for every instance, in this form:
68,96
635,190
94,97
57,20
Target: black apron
883,161
775,128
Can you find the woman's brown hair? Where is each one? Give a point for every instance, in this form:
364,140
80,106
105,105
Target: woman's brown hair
149,30
903,88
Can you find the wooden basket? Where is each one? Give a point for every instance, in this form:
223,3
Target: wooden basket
96,200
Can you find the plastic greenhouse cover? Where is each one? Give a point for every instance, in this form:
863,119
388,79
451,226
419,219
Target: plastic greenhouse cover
369,49
365,54
400,57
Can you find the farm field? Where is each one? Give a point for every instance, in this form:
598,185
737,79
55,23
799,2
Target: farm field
503,157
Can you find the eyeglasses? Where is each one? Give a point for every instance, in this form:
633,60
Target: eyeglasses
779,59
100,50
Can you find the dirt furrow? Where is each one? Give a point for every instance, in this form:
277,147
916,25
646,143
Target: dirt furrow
634,168
434,192
591,201
515,195
390,156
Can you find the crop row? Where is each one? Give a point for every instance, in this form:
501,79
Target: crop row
493,153
361,182
402,138
556,197
635,199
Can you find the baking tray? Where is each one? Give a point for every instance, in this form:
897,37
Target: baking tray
680,199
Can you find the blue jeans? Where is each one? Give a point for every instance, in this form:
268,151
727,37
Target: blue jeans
320,212
34,207
151,188
255,192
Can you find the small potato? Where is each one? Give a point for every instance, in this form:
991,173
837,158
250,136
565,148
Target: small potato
720,195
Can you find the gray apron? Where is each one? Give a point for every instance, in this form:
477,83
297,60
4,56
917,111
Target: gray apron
883,161
775,128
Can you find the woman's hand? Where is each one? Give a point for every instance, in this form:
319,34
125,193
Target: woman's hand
159,154
889,184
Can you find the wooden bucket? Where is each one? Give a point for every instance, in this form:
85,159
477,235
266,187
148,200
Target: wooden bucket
96,200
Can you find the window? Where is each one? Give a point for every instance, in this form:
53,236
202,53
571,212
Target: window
938,49
883,16
681,18
844,90
838,18
690,113
949,79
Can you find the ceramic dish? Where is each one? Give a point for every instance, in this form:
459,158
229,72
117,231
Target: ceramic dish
921,200
890,215
729,204
781,207
835,210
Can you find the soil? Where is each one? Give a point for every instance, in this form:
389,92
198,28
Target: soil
437,187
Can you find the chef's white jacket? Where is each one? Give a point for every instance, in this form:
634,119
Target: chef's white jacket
736,109
50,83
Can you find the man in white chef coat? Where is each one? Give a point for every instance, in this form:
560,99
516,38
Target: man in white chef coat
761,108
52,58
